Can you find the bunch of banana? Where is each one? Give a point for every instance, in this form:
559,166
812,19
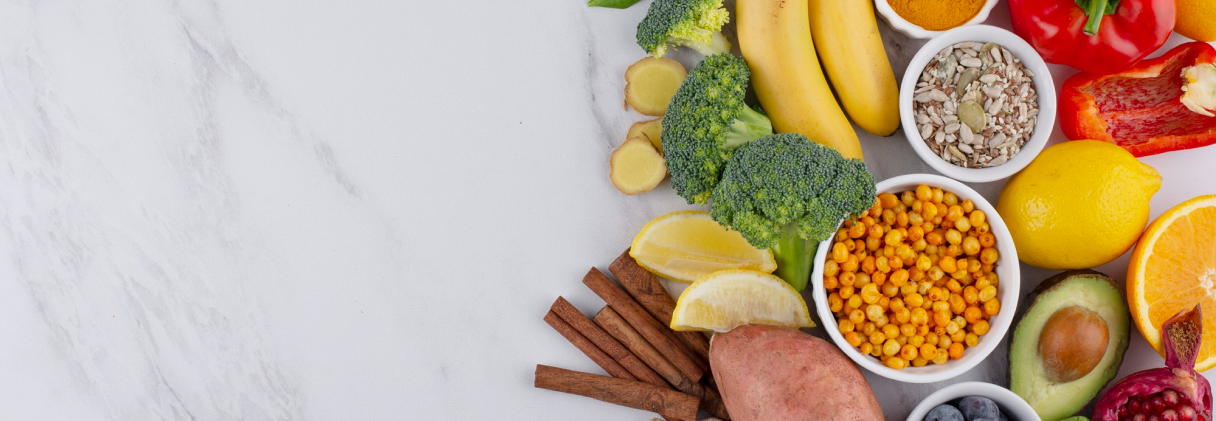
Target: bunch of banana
776,37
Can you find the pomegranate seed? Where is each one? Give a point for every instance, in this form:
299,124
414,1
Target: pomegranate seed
1134,406
1139,417
1186,413
1170,397
1123,412
1155,417
1155,405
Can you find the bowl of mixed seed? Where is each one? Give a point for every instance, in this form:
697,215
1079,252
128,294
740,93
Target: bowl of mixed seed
977,103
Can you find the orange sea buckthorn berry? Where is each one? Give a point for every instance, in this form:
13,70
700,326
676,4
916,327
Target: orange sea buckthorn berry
835,303
874,231
830,282
928,350
887,200
968,205
989,256
941,318
840,254
980,327
857,316
852,338
950,199
962,225
850,264
847,278
890,331
956,351
971,340
993,307
854,301
971,246
972,314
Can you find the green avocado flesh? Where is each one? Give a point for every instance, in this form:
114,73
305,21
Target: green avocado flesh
1028,376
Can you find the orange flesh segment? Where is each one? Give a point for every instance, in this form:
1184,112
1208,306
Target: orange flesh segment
1182,271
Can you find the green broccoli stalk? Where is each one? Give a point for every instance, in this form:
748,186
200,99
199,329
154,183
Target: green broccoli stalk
787,193
705,121
692,23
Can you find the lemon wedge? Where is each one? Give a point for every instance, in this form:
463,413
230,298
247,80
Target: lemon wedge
687,245
727,299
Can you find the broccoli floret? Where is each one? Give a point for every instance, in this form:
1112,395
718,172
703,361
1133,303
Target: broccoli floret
705,121
787,193
693,23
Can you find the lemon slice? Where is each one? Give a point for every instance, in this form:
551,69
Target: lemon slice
687,245
724,300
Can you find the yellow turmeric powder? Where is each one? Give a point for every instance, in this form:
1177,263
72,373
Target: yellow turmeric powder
937,15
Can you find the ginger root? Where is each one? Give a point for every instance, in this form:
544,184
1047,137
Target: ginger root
636,167
650,130
651,82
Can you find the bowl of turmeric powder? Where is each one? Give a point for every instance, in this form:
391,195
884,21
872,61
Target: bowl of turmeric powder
929,18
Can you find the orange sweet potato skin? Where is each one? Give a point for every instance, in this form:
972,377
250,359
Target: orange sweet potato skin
767,373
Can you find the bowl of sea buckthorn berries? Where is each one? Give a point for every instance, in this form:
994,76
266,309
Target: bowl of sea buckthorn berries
922,286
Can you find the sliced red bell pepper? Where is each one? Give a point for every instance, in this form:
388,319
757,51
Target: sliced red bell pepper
1159,105
1093,36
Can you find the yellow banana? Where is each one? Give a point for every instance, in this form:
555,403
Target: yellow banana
846,37
775,38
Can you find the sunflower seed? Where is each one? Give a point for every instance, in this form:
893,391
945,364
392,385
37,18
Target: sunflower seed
974,124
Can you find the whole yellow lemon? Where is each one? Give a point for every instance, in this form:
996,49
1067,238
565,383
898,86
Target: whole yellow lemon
1078,205
1196,19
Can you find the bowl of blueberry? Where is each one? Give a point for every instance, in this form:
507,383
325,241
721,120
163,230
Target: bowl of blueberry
973,401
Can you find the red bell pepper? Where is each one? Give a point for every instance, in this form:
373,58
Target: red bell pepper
1094,36
1159,105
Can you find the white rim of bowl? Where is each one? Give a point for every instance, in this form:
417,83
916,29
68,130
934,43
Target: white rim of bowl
915,31
1044,86
1000,324
987,390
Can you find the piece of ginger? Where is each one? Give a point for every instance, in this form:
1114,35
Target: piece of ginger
651,82
636,167
650,129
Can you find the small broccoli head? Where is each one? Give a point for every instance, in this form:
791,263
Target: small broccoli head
692,23
786,181
705,121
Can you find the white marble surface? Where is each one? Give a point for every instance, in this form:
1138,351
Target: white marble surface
325,210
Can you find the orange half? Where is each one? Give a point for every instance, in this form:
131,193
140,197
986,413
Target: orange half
1172,268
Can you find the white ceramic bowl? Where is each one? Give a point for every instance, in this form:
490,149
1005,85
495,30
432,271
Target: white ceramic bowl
908,28
1007,270
1012,405
1042,82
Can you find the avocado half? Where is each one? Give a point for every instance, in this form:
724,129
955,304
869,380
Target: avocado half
1028,375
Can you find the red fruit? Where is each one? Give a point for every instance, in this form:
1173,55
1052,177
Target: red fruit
1174,392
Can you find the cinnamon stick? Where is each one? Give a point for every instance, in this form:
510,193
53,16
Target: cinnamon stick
581,342
645,324
631,393
605,342
619,328
646,289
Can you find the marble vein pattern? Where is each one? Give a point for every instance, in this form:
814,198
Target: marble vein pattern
332,210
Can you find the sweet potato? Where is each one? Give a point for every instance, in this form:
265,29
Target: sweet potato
768,373
651,82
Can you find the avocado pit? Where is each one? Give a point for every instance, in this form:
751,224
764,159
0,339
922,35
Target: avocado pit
1072,343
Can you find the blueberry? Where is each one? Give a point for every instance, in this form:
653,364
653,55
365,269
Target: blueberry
944,413
975,408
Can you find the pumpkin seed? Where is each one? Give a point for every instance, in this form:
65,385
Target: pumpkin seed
972,114
966,78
